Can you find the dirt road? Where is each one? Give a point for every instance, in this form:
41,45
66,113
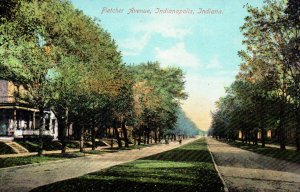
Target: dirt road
247,171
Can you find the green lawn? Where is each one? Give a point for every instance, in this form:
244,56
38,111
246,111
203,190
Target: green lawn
15,161
288,155
116,149
96,152
33,146
131,147
188,168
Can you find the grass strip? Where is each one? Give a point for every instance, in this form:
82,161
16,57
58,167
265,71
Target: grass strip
188,168
5,149
17,161
33,146
131,147
288,155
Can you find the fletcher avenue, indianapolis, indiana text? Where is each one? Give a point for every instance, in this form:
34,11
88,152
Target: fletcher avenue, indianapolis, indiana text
162,11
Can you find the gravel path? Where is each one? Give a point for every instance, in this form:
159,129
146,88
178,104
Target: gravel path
25,178
247,171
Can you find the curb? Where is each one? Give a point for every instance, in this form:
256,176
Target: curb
216,167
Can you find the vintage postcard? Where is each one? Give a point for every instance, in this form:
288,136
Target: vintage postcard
149,95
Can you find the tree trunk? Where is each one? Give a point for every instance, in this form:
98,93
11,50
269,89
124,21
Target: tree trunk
297,135
297,138
41,130
93,138
145,137
139,135
155,135
242,135
60,125
64,132
263,136
247,137
261,124
81,139
281,128
117,134
282,110
148,137
134,140
255,142
125,133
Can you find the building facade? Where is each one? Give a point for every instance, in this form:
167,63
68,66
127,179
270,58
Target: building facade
18,119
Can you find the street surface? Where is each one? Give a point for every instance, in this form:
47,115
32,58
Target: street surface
247,171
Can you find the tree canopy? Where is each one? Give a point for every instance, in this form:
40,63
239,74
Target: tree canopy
67,62
267,85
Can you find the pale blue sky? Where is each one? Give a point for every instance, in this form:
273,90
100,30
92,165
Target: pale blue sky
205,46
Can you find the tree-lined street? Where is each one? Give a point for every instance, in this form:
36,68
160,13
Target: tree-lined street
73,78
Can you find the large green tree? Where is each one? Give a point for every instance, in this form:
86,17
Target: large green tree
157,94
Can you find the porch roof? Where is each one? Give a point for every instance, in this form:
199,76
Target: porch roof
19,107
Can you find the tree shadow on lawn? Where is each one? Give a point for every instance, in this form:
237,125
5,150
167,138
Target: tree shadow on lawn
118,185
131,177
182,155
183,169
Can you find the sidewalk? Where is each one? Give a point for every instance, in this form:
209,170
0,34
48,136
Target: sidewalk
28,177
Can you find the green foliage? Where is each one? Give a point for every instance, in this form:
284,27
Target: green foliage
157,93
184,125
265,94
66,61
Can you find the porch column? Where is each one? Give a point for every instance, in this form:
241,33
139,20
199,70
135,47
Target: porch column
28,120
15,119
33,121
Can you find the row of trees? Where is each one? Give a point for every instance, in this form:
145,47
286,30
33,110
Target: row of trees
66,61
185,126
266,93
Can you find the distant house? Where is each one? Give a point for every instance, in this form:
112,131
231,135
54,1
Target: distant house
18,119
268,136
